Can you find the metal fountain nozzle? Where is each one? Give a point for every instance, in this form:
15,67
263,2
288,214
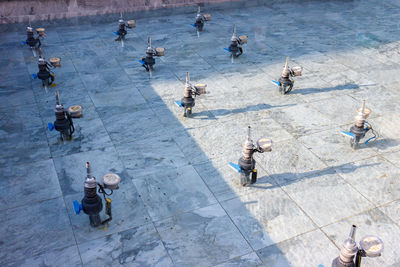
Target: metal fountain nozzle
149,41
362,115
349,247
286,70
234,34
58,99
90,181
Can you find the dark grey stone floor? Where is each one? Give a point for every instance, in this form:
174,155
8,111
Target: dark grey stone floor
179,203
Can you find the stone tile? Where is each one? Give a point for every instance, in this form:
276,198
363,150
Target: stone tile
27,232
119,250
202,237
393,157
28,183
301,120
68,256
246,260
333,108
123,129
392,210
215,140
386,128
375,178
267,216
290,160
373,222
286,253
147,156
323,206
170,191
127,211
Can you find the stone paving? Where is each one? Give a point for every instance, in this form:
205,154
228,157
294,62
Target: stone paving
179,203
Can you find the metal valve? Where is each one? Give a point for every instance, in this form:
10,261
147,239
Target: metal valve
246,165
286,82
351,254
188,101
92,204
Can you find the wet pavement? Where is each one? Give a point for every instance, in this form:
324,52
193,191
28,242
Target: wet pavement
179,202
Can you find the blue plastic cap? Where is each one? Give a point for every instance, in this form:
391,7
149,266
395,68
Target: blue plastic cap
236,167
77,207
34,76
141,61
227,49
50,126
178,103
276,82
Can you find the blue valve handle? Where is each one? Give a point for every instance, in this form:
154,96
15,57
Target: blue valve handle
276,82
23,42
50,126
178,103
193,25
116,33
141,62
227,49
236,167
77,207
34,76
349,134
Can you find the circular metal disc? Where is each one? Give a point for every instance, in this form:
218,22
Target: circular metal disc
111,180
372,245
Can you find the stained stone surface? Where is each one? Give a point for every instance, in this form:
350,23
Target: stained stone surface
179,202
